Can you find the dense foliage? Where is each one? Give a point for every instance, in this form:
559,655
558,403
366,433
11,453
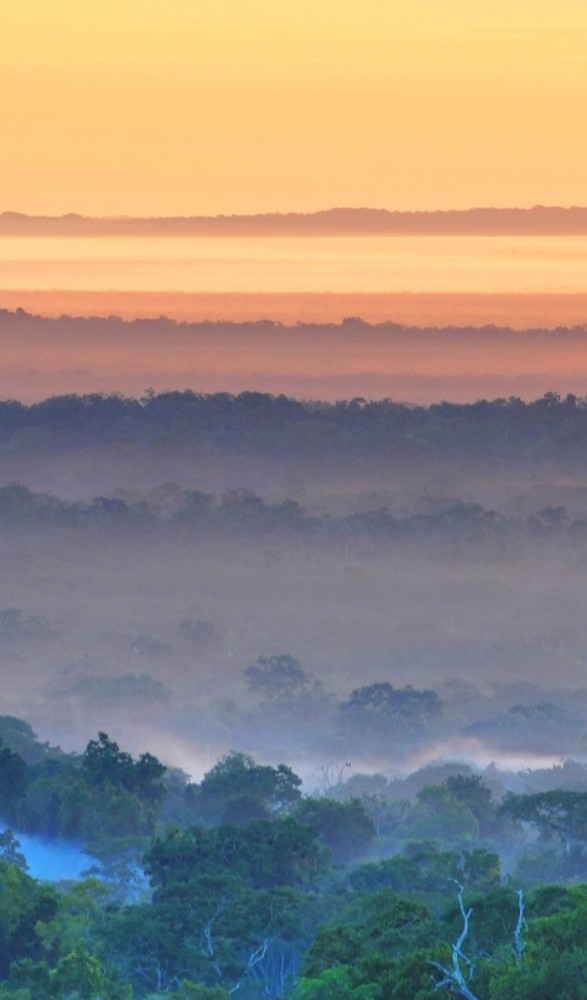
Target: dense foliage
258,422
256,889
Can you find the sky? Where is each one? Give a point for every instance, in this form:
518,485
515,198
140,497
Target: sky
164,107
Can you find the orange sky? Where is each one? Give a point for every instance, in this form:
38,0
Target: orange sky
208,106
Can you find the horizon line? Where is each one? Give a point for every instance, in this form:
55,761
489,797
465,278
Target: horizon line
12,214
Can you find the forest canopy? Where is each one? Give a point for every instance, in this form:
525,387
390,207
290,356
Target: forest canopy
552,427
245,883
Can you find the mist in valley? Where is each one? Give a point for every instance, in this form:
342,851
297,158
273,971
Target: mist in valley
277,668
145,577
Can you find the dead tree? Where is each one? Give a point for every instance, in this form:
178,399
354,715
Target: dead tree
454,979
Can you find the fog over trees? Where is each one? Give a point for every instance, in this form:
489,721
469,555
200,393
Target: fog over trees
414,361
306,682
285,577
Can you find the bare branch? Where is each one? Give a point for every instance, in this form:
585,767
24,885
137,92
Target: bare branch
519,945
255,957
454,979
258,955
208,941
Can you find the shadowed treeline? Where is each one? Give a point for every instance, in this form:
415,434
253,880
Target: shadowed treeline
550,428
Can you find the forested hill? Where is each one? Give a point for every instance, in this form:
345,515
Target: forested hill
551,427
539,220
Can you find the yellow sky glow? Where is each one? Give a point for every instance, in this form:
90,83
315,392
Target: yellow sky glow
207,106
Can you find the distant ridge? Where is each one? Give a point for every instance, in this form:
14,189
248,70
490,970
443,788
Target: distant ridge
537,221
